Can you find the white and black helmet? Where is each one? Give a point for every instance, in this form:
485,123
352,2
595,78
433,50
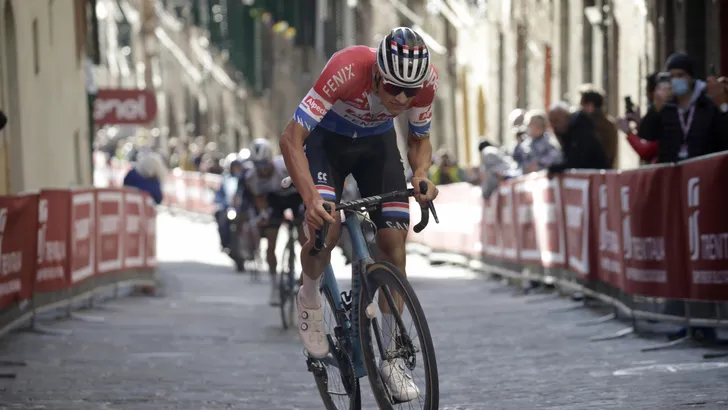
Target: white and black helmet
260,150
403,58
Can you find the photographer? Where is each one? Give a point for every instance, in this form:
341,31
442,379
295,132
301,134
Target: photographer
647,150
684,119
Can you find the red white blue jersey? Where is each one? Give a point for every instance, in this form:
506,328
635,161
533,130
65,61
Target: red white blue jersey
343,99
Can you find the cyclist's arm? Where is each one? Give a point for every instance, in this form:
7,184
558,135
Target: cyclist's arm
419,153
291,145
312,109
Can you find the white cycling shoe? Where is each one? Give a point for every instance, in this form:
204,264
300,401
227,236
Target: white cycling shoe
399,383
311,329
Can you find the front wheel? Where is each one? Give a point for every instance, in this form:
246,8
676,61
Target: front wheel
396,346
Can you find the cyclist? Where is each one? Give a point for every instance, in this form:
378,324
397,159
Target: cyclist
344,125
223,198
263,181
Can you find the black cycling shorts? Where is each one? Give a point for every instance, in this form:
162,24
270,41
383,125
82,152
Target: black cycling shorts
375,163
277,204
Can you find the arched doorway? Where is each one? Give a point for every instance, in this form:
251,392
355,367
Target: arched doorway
11,180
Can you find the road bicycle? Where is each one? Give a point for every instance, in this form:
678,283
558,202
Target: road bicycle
288,283
356,320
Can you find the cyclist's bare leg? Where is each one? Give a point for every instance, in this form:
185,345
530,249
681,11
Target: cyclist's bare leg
392,248
271,237
313,266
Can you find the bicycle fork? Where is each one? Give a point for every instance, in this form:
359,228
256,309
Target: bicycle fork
347,314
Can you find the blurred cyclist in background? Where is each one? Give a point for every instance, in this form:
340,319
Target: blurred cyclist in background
263,181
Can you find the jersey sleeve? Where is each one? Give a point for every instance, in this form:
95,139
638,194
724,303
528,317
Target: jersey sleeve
420,115
329,88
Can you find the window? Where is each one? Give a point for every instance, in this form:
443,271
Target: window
36,54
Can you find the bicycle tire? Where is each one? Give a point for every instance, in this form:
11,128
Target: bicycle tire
322,385
383,273
287,289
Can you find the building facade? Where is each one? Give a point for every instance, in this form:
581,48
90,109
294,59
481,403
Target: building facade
43,92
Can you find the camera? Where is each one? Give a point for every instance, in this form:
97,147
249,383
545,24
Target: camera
663,77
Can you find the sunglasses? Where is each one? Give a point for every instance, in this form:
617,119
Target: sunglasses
261,164
395,90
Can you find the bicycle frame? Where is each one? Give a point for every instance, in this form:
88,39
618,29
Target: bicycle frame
360,252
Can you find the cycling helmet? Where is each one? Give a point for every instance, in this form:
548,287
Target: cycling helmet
260,150
403,58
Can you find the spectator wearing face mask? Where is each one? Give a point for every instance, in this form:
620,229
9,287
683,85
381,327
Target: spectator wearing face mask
605,129
647,150
684,119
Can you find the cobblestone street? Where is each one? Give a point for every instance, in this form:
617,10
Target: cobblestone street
210,341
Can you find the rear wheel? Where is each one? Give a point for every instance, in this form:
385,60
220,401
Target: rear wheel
408,349
335,377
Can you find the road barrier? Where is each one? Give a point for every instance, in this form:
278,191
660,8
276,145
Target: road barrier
60,247
652,242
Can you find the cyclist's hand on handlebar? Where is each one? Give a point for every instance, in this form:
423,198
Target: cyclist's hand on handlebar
431,190
316,214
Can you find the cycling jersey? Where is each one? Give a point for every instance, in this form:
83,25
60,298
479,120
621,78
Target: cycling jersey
343,99
259,185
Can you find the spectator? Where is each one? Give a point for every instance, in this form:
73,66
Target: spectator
518,131
539,150
446,170
147,175
483,143
575,132
647,150
718,91
684,119
3,120
496,167
605,129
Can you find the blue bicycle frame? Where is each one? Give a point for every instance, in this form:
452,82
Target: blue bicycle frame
360,251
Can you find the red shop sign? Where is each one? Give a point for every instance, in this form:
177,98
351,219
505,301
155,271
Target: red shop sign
124,106
575,196
506,222
653,233
133,232
150,216
607,208
17,247
83,234
110,245
705,200
53,226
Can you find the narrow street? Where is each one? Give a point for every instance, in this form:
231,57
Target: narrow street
210,341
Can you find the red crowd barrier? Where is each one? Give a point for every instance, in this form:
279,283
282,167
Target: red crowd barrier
654,232
57,246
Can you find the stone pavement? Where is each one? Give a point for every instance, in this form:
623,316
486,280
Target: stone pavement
211,342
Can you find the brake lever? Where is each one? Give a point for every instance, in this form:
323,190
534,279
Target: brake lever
320,240
431,206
